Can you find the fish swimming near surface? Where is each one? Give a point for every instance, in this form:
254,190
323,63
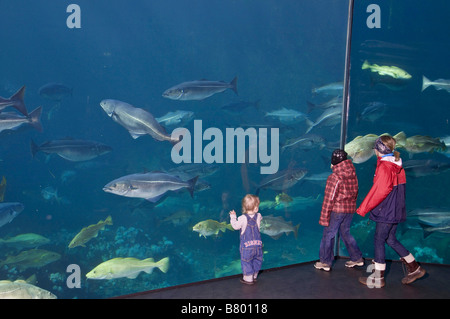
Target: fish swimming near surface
55,91
2,189
28,240
334,88
211,227
74,150
127,267
179,118
198,90
136,121
282,180
20,289
275,227
392,71
287,116
16,101
12,121
150,186
439,84
330,117
89,232
33,258
9,211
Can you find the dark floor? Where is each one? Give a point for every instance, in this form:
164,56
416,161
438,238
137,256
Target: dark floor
304,281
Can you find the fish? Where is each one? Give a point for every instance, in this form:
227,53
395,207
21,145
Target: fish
175,118
16,101
9,211
392,71
236,108
430,216
335,101
33,258
28,240
233,268
443,227
439,84
180,217
55,91
425,167
287,116
275,227
198,90
282,180
20,289
12,121
2,189
74,150
422,143
297,203
188,171
150,186
305,142
330,117
136,121
360,149
372,112
334,88
211,227
89,232
126,268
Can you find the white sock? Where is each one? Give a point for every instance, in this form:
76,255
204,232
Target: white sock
380,266
248,278
409,259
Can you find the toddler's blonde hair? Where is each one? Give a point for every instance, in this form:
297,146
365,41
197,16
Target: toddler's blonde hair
249,203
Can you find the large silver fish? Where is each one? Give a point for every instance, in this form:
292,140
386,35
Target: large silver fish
179,118
16,101
287,116
9,211
282,180
439,84
330,117
335,88
12,121
198,90
275,227
135,120
150,186
72,149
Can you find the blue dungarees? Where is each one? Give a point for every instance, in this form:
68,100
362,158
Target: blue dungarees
251,248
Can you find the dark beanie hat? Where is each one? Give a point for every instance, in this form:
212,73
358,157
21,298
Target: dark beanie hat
338,156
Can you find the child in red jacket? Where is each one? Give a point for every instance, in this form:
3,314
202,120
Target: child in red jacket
386,203
339,204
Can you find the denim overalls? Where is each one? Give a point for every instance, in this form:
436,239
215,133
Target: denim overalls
251,248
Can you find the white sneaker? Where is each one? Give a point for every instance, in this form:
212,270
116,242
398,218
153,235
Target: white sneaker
351,264
322,266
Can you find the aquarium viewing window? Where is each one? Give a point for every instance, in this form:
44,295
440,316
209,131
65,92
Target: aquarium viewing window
128,133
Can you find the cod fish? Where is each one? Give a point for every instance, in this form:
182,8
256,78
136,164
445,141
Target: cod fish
439,84
176,118
392,71
275,227
16,101
135,120
282,180
210,227
72,149
420,143
150,186
127,267
12,121
9,211
89,232
198,90
28,240
20,289
33,258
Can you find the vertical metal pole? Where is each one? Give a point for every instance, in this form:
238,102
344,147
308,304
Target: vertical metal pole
346,95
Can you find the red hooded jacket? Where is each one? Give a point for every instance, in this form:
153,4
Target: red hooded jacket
386,198
341,191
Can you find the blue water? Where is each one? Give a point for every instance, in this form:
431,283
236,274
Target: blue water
278,51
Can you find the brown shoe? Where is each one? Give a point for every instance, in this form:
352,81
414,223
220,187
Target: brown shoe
246,282
414,271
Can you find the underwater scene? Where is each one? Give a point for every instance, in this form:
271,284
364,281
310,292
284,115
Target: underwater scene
127,134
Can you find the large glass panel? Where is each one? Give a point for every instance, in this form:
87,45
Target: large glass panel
400,85
274,67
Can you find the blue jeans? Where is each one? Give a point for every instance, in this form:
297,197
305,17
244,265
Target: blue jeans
338,222
385,233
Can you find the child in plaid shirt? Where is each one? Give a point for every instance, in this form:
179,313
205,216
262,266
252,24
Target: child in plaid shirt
339,204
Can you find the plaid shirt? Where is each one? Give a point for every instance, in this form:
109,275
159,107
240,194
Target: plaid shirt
341,191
